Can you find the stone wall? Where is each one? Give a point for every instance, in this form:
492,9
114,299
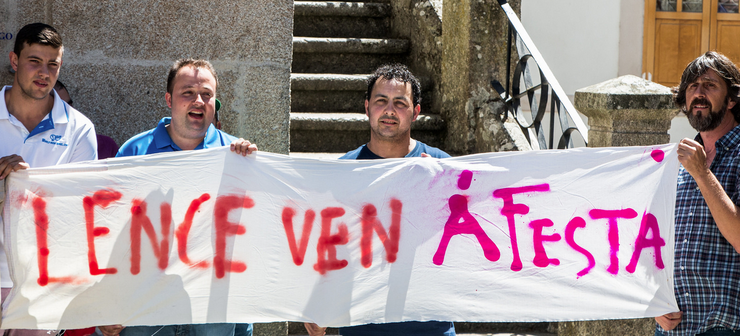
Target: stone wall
474,53
117,54
420,21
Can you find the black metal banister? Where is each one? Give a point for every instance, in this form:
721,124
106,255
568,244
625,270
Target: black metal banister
548,87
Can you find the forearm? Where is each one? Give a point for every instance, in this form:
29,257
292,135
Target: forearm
725,213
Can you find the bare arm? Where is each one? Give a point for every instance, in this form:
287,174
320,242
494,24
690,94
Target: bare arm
725,213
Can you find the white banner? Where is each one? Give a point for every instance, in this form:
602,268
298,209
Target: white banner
211,236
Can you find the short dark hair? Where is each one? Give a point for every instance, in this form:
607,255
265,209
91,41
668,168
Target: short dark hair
398,72
181,63
723,66
39,33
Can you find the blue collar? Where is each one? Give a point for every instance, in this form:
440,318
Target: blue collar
162,139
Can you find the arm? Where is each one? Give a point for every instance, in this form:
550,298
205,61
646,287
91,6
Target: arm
725,213
243,147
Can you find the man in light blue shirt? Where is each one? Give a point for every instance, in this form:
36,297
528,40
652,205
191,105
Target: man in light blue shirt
191,95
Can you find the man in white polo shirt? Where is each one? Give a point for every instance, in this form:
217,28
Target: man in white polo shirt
37,128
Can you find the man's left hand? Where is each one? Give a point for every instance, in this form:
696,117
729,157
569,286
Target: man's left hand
243,147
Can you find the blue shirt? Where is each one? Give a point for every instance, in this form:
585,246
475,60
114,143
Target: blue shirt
363,153
157,140
707,267
430,328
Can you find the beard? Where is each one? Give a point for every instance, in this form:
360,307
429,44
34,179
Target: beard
709,122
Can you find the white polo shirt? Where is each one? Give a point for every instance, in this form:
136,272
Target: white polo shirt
65,135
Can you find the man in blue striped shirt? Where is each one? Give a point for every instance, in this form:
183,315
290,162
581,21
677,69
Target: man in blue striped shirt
707,264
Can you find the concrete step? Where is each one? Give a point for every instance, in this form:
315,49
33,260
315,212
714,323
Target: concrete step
342,132
341,19
345,55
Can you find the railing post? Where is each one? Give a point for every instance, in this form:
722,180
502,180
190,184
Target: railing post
626,111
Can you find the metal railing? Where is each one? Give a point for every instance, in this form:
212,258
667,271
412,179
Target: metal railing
539,93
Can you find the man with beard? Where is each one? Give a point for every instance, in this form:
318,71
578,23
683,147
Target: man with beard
707,262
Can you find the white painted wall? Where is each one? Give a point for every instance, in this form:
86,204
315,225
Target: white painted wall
586,42
579,39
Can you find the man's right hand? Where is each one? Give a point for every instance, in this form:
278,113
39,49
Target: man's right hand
669,321
111,330
11,163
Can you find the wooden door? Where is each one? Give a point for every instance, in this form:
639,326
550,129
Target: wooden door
726,25
678,31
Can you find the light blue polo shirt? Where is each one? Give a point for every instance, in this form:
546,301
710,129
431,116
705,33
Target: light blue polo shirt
157,140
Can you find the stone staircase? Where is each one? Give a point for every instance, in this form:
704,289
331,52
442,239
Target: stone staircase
335,46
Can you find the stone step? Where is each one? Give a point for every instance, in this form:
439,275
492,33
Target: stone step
342,132
354,122
340,82
338,93
375,1
327,82
341,19
327,93
335,8
345,55
341,45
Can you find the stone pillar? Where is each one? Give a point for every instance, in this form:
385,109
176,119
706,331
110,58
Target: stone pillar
474,42
625,111
117,54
